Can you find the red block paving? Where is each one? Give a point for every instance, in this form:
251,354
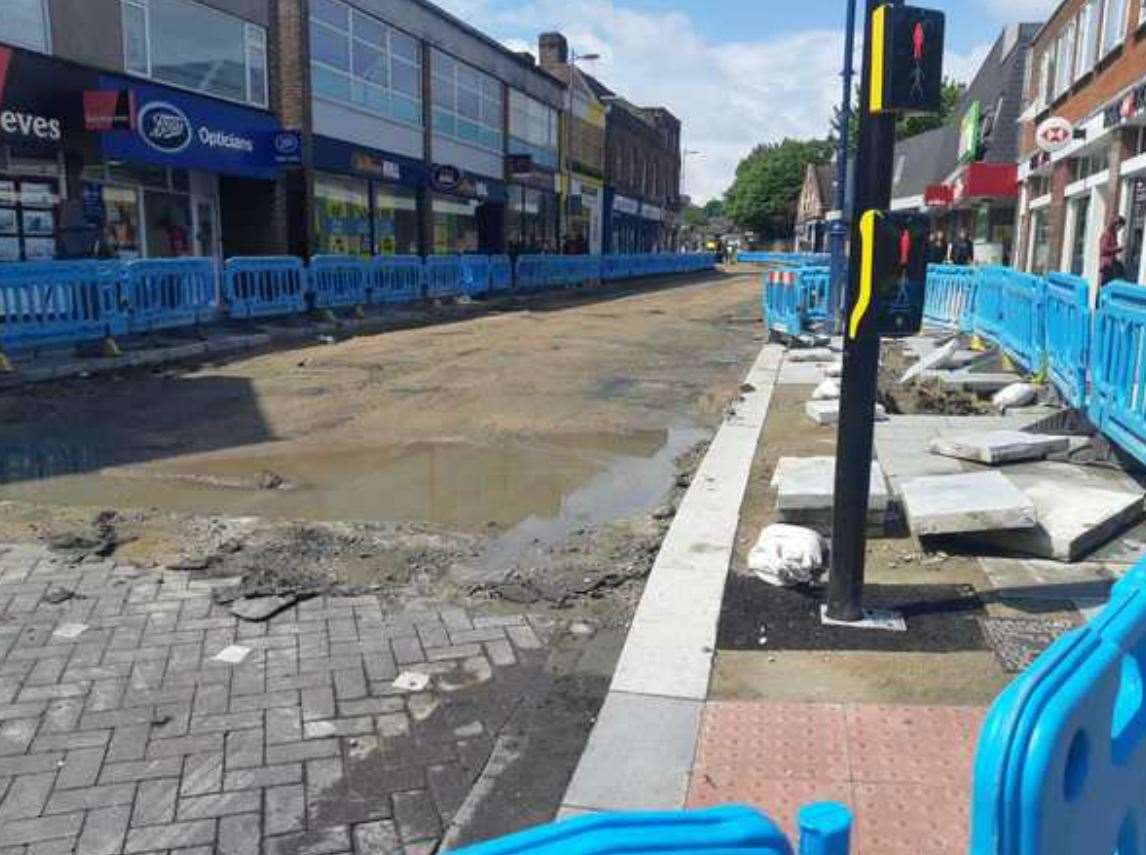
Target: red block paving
904,770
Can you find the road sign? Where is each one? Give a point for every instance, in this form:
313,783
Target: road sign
907,60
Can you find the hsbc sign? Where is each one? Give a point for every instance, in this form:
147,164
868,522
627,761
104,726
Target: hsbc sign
1054,134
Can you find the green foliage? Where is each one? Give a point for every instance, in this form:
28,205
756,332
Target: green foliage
714,208
911,126
763,197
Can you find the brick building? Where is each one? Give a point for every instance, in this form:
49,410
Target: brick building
1089,69
139,128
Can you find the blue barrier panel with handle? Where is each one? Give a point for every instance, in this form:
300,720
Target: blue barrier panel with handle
165,293
791,259
717,831
615,266
260,287
530,272
988,310
60,302
815,284
395,279
782,302
1117,405
475,275
1061,761
1022,335
500,274
1068,335
337,281
444,276
950,295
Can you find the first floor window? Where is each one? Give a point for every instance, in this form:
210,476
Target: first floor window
24,23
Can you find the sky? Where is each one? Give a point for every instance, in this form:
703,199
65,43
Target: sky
736,72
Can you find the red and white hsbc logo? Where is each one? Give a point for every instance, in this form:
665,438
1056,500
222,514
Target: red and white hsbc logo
26,124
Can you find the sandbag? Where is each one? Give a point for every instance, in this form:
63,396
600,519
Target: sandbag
788,555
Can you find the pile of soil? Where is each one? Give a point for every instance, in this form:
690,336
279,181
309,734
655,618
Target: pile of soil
924,396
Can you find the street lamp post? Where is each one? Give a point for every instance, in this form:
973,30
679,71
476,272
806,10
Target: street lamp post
589,57
840,227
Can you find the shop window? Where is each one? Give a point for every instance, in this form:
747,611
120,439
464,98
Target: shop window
195,47
1078,248
455,224
395,221
1113,25
168,224
1040,241
357,59
467,103
533,129
1136,227
114,213
342,216
24,23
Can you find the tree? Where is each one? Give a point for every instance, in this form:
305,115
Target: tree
907,127
714,209
768,182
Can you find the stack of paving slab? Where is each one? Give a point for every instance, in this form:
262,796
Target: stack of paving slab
953,366
995,487
805,491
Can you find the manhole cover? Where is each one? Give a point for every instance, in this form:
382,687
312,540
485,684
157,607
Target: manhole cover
1017,642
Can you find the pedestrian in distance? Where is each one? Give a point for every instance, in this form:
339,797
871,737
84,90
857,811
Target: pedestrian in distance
937,249
963,251
1109,249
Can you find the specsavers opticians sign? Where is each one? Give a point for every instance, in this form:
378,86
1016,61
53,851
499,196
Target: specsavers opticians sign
177,129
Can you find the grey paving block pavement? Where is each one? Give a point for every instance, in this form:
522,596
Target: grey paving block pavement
969,502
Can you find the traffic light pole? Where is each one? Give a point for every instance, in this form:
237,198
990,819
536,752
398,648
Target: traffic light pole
873,174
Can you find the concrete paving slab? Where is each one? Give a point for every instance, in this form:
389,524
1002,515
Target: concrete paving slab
639,756
999,446
971,381
801,374
936,359
812,354
828,412
1079,508
1040,579
968,502
808,484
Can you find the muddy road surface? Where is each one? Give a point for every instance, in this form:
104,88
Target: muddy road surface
525,462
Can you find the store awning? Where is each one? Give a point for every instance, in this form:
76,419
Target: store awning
986,181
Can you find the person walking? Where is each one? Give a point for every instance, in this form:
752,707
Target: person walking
1109,250
937,249
963,251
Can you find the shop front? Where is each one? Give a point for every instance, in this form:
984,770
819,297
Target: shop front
366,202
584,207
980,200
101,165
532,208
468,212
624,223
652,218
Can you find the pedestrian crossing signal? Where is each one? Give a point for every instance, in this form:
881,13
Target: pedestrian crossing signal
907,60
893,275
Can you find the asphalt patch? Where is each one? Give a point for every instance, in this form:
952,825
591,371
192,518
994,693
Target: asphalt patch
758,616
1017,642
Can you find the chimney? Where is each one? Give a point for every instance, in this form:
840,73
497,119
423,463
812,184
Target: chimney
553,49
527,56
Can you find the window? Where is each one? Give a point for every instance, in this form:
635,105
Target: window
467,103
1113,25
1064,62
195,47
25,24
1046,76
1088,33
358,60
533,129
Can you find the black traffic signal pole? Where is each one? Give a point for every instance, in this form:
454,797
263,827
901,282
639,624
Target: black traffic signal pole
873,174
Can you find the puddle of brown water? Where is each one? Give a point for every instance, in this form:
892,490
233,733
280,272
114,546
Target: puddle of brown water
539,489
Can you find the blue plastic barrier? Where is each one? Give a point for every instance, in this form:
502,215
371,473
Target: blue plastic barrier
60,302
782,302
815,288
165,293
475,275
445,276
338,281
987,314
500,274
616,266
530,272
1068,335
1117,403
267,286
950,296
395,279
789,259
825,828
1061,762
1022,335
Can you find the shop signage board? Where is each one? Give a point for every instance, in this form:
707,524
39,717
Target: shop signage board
625,205
970,133
1054,134
39,98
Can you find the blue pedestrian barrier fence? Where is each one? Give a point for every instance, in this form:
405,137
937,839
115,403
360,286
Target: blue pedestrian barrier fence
1117,403
53,302
1068,335
444,276
789,259
395,279
950,296
337,281
167,293
616,266
1022,336
815,288
475,275
782,302
500,274
264,286
987,315
531,272
1061,761
825,830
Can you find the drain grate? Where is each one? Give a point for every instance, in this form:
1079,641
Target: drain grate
1017,642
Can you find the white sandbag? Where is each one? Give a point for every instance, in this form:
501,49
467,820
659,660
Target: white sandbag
829,390
836,369
787,555
1015,395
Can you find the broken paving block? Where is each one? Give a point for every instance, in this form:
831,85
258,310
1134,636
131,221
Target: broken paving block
999,446
969,502
936,359
814,354
808,484
828,412
1078,510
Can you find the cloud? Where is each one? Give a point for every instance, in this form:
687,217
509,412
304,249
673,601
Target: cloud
730,96
1012,11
